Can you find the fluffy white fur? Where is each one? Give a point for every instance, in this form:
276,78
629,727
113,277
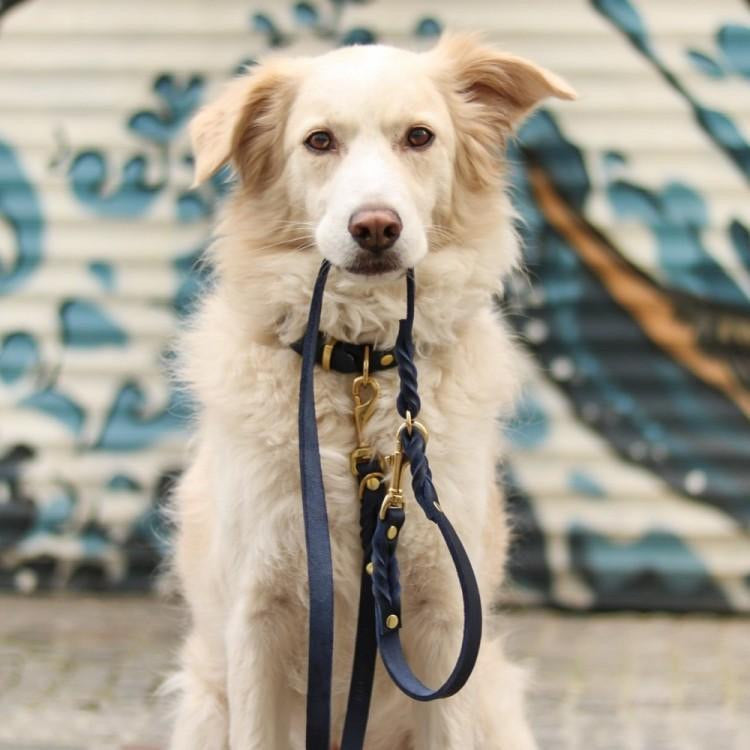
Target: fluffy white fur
240,553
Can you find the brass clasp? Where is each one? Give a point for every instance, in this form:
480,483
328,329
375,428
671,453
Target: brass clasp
394,498
397,462
365,392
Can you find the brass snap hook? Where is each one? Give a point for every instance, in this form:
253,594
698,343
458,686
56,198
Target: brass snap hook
397,461
394,498
365,392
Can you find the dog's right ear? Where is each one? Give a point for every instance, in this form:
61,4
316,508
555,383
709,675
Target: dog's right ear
244,125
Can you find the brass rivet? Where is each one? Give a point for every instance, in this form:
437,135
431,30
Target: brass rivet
391,621
392,532
369,568
386,359
373,483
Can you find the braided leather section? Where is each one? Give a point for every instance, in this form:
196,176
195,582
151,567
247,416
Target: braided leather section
408,397
421,477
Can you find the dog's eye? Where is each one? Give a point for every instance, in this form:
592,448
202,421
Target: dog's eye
419,137
320,140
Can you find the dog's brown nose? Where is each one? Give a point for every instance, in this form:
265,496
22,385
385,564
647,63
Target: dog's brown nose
375,229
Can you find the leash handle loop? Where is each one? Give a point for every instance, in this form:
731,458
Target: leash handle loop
412,440
389,642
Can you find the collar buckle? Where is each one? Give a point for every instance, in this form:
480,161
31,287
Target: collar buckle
325,357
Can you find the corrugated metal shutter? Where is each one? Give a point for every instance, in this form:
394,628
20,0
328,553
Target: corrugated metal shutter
628,468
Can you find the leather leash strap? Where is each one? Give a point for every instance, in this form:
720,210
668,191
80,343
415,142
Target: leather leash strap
381,518
319,565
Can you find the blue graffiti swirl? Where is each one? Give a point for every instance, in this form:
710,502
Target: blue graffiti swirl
21,209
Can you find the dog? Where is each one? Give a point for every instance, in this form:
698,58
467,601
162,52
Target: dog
378,160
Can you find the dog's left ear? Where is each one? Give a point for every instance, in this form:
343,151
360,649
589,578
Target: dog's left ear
489,94
244,125
506,85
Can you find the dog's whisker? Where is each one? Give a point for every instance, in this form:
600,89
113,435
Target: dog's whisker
289,242
302,224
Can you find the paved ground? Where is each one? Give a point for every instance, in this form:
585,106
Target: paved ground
80,674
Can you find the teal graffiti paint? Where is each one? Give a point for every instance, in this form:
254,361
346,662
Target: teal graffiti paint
21,211
19,355
85,325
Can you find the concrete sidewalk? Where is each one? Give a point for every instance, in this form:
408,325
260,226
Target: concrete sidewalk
80,674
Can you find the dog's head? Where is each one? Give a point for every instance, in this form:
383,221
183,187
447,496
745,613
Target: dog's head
374,152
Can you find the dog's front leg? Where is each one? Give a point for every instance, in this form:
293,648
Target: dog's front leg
487,714
445,723
432,635
258,700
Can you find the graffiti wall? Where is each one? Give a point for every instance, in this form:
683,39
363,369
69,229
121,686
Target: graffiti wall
629,468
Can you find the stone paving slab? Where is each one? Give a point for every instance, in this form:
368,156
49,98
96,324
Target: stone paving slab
81,673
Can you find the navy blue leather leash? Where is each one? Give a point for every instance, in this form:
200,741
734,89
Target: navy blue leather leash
319,565
381,518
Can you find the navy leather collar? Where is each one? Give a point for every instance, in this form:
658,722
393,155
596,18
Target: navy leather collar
342,356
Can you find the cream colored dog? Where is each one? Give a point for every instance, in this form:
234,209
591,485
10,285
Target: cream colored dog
377,159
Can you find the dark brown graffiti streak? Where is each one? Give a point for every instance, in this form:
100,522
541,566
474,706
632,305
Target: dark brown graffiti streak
651,306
